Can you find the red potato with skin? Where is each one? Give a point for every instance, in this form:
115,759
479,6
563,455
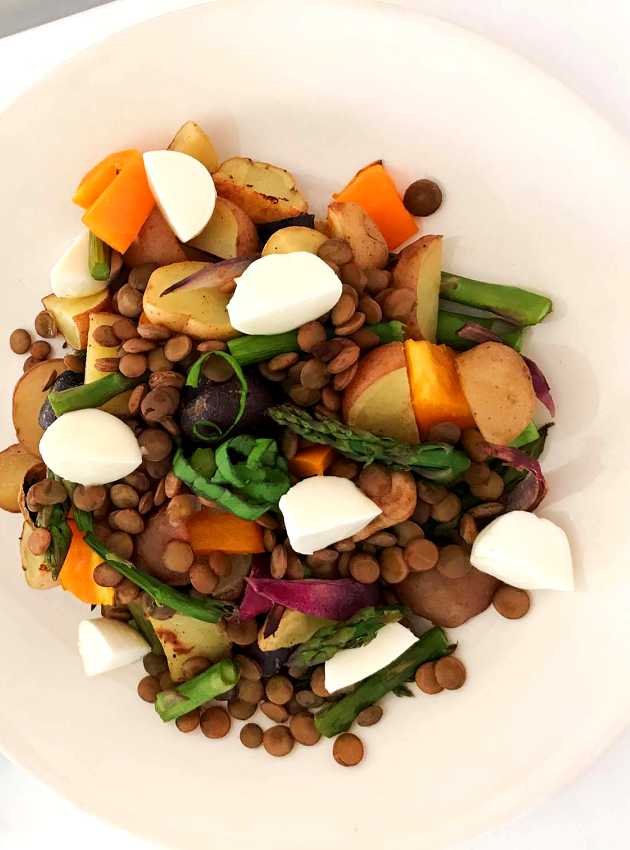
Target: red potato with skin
28,396
419,269
156,243
447,602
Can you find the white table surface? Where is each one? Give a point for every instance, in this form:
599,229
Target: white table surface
584,44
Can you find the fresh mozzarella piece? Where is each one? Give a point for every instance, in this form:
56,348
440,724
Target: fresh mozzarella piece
90,447
352,665
525,551
324,509
183,190
70,276
107,644
280,292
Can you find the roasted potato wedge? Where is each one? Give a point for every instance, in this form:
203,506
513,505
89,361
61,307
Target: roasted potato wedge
183,637
349,221
72,315
36,573
156,243
419,269
291,239
28,396
191,139
200,313
498,388
229,233
264,191
15,464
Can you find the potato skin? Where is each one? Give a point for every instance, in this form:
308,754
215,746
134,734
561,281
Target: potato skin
498,387
291,239
28,396
349,221
444,601
156,243
15,464
229,233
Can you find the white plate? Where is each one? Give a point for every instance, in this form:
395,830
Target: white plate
538,194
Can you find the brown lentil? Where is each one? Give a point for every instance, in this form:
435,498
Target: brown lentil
29,363
137,345
251,691
399,304
448,509
107,364
444,432
157,469
269,540
307,699
346,358
343,565
450,673
468,529
336,250
250,669
74,363
157,404
127,520
486,510
194,665
431,493
133,365
295,567
89,498
211,345
354,276
178,348
277,713
39,541
46,492
370,715
364,568
251,736
116,612
148,688
146,504
381,539
352,325
40,350
423,197
477,473
20,341
394,567
241,710
490,490
139,275
220,563
283,361
129,301
279,561
166,681
344,468
304,396
453,562
242,633
371,308
375,481
421,554
303,729
425,679
106,576
126,592
45,325
105,336
188,722
155,444
162,612
511,602
406,532
154,664
124,496
276,376
202,578
138,480
215,722
125,329
135,399
218,370
474,445
178,556
348,750
341,381
170,426
344,309
121,544
157,362
317,682
278,741
181,508
279,689
377,280
314,375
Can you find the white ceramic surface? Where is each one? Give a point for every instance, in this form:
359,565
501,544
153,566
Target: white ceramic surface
521,160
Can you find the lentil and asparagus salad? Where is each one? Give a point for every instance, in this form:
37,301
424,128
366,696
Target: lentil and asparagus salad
276,455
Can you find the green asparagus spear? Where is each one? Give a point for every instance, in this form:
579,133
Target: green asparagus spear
339,716
92,395
145,628
255,349
518,305
437,461
99,258
357,631
209,610
449,324
53,518
213,682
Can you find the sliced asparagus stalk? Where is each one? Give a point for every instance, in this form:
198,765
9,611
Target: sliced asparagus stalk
449,324
99,258
517,305
213,682
145,628
255,349
92,395
340,716
209,610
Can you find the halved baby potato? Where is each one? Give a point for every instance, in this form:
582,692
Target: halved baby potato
156,243
419,268
264,191
200,313
291,239
15,464
349,221
28,396
229,233
191,139
72,315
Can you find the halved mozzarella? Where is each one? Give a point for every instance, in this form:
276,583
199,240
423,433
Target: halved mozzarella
324,509
90,447
352,665
280,292
70,276
107,644
525,551
183,190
